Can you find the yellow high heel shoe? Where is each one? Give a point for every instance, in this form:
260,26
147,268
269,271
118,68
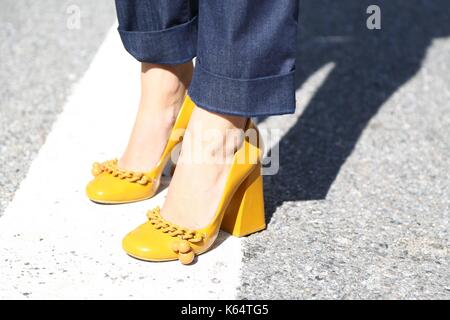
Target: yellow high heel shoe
240,213
114,185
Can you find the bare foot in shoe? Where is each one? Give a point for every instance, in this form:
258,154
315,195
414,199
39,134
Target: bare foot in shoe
163,89
199,180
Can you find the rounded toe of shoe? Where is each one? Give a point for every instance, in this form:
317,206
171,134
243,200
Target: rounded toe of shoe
105,188
146,243
99,189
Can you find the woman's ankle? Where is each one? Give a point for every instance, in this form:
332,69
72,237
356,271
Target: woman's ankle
163,88
165,80
212,138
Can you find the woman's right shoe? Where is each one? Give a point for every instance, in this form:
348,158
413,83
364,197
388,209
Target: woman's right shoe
240,212
112,184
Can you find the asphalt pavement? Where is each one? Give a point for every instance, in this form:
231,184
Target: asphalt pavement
42,55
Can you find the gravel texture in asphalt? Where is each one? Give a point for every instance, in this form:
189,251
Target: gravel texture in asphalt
41,57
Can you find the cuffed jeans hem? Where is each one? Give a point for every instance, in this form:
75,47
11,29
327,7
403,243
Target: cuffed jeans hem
169,46
273,95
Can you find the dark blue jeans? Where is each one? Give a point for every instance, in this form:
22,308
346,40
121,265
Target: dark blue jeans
245,49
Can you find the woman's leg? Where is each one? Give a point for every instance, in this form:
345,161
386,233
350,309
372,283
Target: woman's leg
245,67
163,89
162,36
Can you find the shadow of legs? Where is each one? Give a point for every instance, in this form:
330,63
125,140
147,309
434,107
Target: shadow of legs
370,66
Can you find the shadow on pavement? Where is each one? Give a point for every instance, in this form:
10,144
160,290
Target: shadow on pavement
370,66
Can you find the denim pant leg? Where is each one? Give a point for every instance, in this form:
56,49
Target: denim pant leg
158,31
246,57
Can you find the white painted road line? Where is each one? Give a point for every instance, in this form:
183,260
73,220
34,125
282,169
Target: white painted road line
55,243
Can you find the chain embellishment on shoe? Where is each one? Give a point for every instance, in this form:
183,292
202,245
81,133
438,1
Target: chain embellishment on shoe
181,246
111,167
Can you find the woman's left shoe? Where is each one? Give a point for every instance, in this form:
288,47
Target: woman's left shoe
240,212
113,185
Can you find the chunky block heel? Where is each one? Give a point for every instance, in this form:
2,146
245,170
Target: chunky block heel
245,213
